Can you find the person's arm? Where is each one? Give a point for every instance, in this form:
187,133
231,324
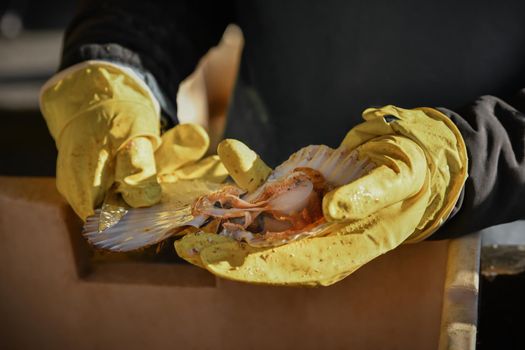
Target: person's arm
162,41
494,193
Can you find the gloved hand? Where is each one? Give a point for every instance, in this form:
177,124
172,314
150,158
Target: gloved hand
106,127
417,153
420,167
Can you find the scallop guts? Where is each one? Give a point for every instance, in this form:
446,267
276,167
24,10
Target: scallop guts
289,205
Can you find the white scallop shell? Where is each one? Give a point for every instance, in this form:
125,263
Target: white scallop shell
142,227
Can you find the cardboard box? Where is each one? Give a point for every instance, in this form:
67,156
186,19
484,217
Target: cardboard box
53,295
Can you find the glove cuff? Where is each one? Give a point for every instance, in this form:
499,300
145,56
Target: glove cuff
122,103
452,156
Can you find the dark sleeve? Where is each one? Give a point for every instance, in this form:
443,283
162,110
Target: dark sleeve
494,193
160,40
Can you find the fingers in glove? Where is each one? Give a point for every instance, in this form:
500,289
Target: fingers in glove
208,169
181,145
400,172
136,173
246,168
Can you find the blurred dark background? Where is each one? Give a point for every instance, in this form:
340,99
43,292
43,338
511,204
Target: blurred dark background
30,43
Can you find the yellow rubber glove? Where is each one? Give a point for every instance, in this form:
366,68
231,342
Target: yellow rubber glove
245,166
106,127
180,156
416,152
421,165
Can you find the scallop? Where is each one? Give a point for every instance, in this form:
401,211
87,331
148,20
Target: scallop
287,207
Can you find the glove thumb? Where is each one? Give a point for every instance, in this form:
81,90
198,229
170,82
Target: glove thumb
400,173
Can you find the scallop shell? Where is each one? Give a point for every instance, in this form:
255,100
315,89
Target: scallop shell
142,227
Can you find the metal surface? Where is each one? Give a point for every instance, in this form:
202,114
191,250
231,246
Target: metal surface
503,250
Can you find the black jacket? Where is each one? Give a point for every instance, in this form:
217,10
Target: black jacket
309,68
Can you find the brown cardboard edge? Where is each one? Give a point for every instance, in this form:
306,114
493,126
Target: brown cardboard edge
460,299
